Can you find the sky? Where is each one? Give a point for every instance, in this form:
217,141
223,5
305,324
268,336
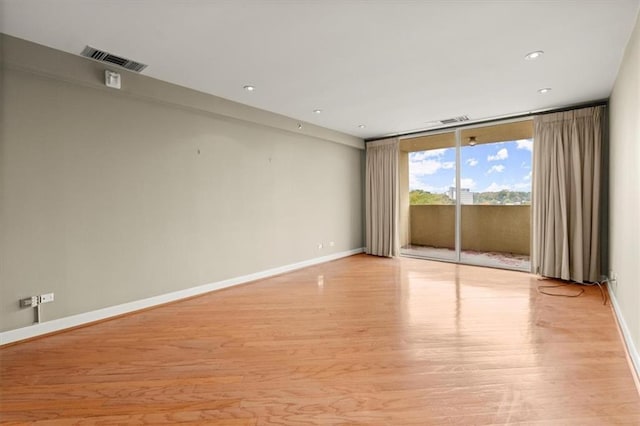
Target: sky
485,168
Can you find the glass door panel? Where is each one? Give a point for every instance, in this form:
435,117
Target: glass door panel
495,195
427,196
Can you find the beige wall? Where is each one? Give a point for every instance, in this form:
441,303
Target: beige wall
624,184
112,196
484,228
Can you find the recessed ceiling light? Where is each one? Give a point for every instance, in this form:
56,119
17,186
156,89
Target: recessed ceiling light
544,90
249,88
534,55
317,111
472,141
361,126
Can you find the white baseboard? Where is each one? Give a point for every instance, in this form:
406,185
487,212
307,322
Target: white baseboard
111,311
632,350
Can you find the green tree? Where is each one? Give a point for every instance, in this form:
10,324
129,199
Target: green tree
503,197
418,196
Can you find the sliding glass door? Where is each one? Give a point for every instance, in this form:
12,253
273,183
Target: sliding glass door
466,195
429,214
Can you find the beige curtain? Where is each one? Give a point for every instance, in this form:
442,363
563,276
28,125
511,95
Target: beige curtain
381,198
566,194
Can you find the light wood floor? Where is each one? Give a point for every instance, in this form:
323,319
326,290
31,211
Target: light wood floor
361,340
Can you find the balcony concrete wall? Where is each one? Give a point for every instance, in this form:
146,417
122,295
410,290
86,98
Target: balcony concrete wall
484,228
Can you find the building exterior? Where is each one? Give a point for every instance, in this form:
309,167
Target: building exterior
466,196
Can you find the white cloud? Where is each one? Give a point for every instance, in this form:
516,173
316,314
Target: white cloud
429,167
424,167
417,156
467,183
525,144
415,183
527,177
426,163
422,155
498,168
523,186
503,154
472,162
448,164
494,187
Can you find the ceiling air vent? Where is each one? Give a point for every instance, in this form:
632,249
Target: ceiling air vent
102,56
455,120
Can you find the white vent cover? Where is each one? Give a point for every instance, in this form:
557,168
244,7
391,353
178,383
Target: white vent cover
455,120
102,56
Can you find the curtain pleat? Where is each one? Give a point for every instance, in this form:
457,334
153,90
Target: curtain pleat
566,194
381,198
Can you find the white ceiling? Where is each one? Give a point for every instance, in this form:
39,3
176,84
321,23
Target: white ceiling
394,66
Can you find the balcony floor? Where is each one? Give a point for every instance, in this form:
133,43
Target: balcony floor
518,262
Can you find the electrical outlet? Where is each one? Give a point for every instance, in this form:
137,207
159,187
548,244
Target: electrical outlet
29,302
331,243
46,298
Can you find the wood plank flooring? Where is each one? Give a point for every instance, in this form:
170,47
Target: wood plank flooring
361,340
